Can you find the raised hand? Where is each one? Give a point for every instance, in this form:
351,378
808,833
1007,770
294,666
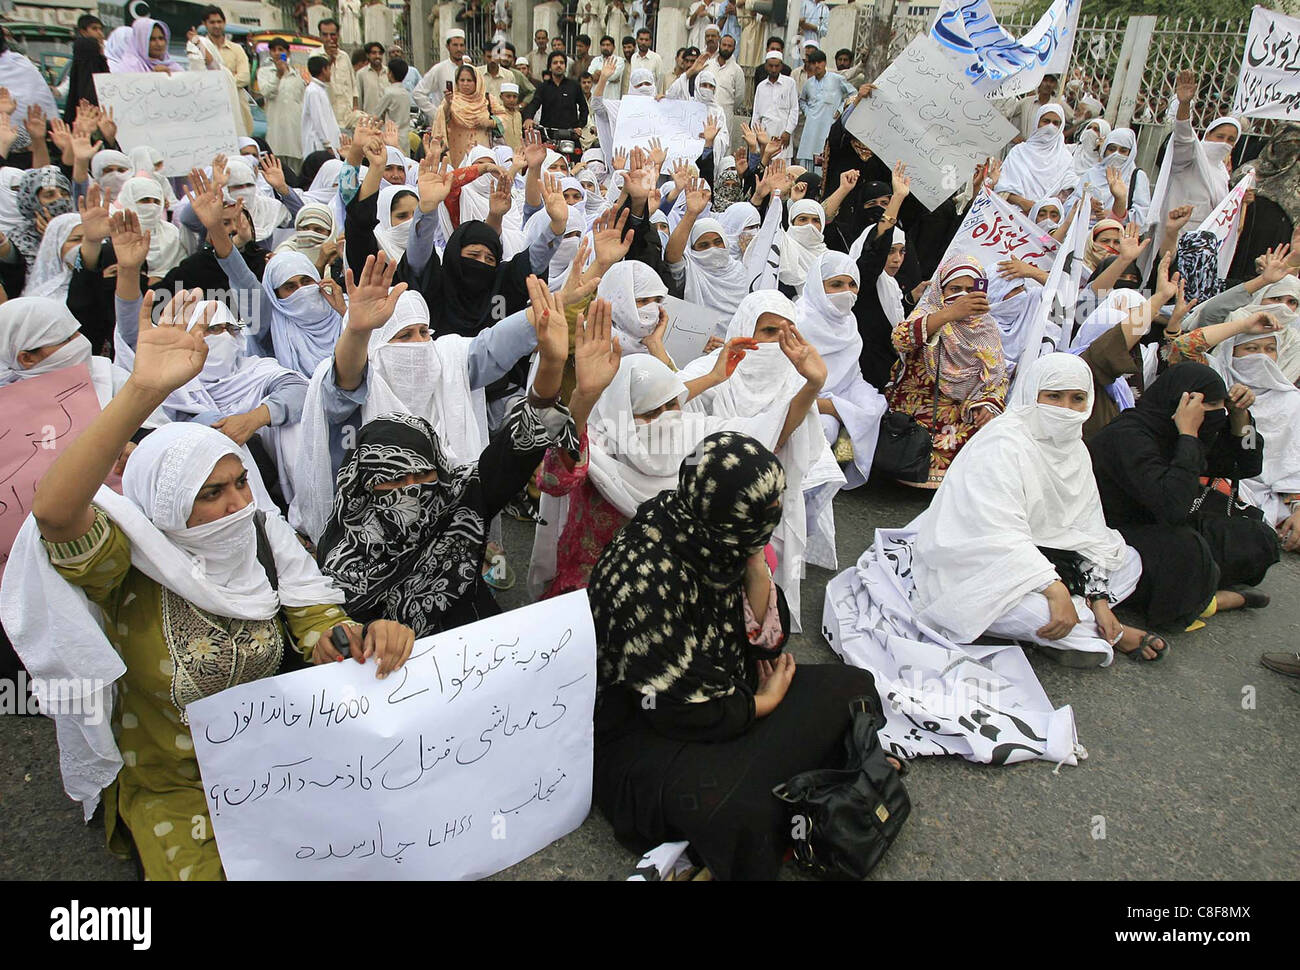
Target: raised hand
658,154
1274,263
619,161
804,356
582,280
698,197
1118,188
219,174
611,236
500,200
731,356
204,196
273,172
1185,86
1166,286
798,191
546,315
61,135
107,126
130,243
82,149
433,182
93,207
392,135
375,150
372,300
8,133
1182,307
900,181
534,149
742,161
333,294
1131,243
596,353
556,207
7,103
1177,218
761,137
849,180
169,355
682,174
35,123
710,132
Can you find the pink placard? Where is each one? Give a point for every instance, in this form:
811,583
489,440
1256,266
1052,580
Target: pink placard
39,416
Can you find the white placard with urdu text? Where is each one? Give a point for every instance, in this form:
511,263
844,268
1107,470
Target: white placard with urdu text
474,755
188,116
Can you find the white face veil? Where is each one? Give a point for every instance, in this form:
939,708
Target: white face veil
624,284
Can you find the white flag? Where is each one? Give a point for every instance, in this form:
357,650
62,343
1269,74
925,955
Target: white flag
1225,222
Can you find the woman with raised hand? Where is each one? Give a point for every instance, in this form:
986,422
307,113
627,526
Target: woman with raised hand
408,530
173,564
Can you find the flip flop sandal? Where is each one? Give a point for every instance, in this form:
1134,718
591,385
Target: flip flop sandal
1148,640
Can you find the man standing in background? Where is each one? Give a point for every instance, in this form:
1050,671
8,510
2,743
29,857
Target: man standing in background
372,79
233,59
342,81
539,55
428,94
283,88
776,104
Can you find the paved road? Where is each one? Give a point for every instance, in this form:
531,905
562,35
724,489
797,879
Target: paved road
1190,783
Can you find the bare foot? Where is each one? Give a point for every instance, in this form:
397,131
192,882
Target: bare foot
1229,600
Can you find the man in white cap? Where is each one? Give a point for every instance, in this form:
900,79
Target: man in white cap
776,104
428,94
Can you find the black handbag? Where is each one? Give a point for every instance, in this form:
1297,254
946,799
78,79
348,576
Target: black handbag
902,448
291,660
842,820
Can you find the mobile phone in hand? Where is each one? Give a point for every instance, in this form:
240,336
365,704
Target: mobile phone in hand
981,285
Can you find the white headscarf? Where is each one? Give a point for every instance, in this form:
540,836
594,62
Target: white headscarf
716,278
429,379
641,83
113,181
324,187
1087,152
51,273
393,239
1277,418
623,284
1206,180
268,214
11,220
1041,164
887,288
762,386
304,327
833,332
1024,481
212,566
32,322
166,247
230,382
802,245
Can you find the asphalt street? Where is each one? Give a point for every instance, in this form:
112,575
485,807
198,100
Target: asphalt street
1191,774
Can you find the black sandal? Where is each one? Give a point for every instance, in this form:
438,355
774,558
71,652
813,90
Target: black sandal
1148,640
1255,600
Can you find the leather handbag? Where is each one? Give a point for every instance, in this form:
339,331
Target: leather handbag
902,448
842,820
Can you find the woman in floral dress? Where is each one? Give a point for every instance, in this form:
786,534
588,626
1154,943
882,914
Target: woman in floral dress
951,376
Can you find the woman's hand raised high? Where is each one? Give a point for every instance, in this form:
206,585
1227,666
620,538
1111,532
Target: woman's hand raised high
168,356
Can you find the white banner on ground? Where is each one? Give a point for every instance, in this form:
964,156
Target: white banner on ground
1269,83
994,231
188,117
924,113
1054,322
1225,222
679,126
474,755
998,64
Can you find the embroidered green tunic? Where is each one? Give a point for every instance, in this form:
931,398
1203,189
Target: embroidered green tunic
174,653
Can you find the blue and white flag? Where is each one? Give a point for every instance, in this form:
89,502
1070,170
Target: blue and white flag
997,64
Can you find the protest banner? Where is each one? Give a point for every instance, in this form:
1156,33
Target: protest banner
1269,83
188,117
44,414
689,328
994,231
474,755
1225,222
997,64
1053,324
679,126
926,114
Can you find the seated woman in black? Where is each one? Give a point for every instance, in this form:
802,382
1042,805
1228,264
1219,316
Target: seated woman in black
1163,470
700,713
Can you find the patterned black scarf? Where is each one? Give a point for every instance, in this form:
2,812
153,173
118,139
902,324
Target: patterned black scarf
666,593
410,553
